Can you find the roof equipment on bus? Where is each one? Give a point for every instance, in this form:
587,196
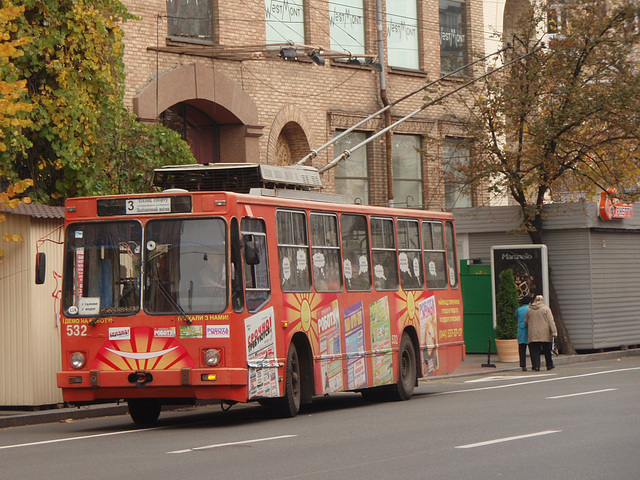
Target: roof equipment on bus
236,177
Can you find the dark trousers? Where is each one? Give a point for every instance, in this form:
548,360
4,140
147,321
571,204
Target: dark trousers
535,348
522,351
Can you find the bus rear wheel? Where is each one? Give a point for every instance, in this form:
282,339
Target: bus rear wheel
403,390
144,411
289,405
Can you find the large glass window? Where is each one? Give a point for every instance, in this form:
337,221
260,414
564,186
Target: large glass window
355,252
293,251
453,35
352,175
435,261
407,170
256,268
402,34
325,252
346,25
102,269
456,155
384,255
284,21
186,266
190,20
410,254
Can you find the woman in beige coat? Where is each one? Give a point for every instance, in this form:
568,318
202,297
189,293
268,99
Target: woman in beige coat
542,331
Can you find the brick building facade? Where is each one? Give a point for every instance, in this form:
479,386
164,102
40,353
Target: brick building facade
214,71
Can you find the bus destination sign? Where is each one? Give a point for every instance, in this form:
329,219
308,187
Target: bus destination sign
145,206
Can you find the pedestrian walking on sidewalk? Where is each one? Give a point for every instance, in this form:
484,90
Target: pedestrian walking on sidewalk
542,330
523,331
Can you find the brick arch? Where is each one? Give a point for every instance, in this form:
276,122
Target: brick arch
290,136
215,94
200,85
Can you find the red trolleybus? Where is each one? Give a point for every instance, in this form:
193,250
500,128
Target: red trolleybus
272,295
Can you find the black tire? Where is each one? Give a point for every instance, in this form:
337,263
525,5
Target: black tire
403,389
144,411
289,405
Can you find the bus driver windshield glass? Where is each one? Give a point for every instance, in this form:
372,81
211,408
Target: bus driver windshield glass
185,266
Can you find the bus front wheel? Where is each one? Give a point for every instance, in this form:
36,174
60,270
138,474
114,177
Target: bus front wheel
406,369
144,411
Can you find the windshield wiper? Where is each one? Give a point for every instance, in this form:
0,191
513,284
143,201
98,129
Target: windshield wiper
114,302
179,310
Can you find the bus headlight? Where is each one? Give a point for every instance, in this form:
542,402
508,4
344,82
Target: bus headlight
77,360
212,357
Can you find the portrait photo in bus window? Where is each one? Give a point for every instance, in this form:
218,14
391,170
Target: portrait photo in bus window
383,254
435,261
186,266
355,253
325,252
102,269
410,255
256,271
452,260
293,251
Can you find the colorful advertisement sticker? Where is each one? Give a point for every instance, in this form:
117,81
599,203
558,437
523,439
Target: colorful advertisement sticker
429,333
262,360
218,331
355,346
329,341
190,331
381,341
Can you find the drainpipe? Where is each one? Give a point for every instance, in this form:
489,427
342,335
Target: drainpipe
385,102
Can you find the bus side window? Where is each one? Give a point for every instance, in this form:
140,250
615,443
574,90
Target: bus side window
293,251
355,253
325,252
384,256
451,254
434,255
256,271
410,254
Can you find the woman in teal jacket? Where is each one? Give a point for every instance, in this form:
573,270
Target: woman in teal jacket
523,331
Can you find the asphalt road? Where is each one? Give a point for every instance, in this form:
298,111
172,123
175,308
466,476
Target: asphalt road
579,421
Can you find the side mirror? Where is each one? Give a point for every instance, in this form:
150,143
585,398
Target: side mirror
41,268
251,255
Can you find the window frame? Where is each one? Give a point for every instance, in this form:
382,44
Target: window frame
388,266
436,252
191,38
304,280
409,252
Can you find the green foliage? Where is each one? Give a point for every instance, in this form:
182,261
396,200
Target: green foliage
75,71
129,151
506,306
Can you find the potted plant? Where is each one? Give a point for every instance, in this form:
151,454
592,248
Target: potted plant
506,323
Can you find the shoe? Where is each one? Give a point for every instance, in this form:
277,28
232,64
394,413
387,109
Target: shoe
524,369
536,369
551,367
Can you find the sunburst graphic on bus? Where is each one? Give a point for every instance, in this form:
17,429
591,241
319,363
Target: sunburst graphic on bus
299,309
142,351
407,306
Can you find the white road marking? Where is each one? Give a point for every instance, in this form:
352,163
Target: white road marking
532,382
508,439
495,378
244,442
582,393
70,439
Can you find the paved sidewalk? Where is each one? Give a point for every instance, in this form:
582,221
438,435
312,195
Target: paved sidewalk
472,365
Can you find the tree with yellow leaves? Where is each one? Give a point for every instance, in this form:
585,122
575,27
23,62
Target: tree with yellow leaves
13,110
